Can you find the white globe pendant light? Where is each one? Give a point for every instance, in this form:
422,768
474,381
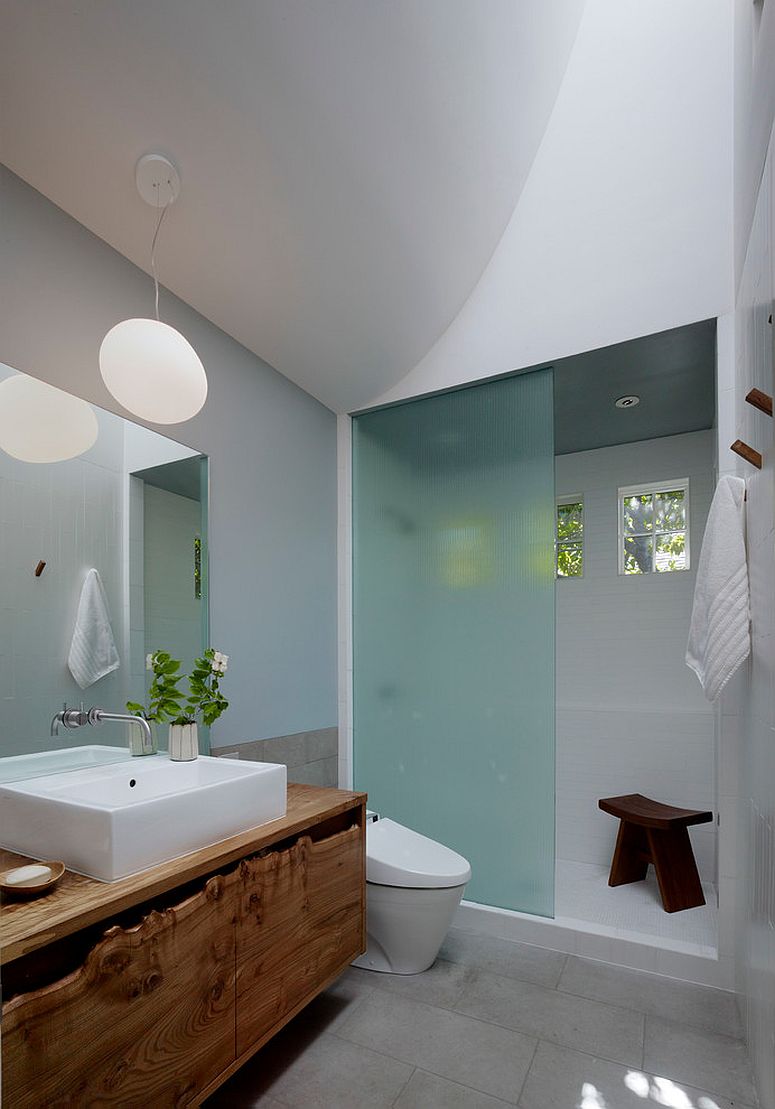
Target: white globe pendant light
153,371
39,423
148,366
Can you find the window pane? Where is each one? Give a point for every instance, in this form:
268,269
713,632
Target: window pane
638,514
671,552
570,521
670,511
638,551
570,560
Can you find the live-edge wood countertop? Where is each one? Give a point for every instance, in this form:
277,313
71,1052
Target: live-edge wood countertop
77,901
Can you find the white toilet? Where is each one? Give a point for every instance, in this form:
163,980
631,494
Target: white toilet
413,886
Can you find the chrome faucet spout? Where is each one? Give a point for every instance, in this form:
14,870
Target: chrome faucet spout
76,718
98,716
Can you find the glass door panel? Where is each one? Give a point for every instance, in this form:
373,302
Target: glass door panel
453,637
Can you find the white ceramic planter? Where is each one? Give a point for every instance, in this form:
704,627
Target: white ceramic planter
183,742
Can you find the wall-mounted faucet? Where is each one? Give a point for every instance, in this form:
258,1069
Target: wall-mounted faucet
76,718
69,718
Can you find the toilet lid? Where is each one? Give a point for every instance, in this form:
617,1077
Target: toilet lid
397,856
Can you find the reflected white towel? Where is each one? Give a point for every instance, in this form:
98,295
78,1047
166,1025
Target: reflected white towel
720,636
93,651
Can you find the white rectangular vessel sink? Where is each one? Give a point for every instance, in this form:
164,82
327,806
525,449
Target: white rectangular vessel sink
111,821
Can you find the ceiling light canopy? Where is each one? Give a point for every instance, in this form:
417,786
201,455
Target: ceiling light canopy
39,423
148,366
628,401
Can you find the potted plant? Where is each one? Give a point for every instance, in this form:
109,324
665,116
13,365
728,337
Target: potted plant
164,697
205,699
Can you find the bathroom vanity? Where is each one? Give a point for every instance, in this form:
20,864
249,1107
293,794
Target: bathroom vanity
154,989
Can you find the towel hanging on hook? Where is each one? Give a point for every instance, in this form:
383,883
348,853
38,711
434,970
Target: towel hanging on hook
720,634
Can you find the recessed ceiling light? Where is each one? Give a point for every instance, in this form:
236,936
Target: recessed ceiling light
628,402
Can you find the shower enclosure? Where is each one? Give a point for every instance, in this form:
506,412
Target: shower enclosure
453,628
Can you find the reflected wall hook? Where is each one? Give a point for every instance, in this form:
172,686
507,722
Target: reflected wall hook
760,400
748,453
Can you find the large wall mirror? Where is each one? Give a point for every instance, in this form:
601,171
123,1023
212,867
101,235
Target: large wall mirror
133,507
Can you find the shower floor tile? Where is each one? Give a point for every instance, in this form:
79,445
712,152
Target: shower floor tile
634,911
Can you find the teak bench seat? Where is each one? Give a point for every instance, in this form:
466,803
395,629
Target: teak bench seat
650,832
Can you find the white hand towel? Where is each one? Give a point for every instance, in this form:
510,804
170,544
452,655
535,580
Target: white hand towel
720,636
93,651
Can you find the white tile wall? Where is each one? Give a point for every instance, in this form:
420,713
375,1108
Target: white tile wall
70,515
631,717
747,713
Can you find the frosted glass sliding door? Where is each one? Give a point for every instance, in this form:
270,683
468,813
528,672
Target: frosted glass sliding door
453,637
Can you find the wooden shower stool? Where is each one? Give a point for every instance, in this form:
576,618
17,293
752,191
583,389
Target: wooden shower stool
650,832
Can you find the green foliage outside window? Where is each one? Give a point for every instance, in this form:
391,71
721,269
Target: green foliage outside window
570,540
654,531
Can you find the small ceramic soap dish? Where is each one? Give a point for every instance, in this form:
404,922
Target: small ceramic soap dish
31,880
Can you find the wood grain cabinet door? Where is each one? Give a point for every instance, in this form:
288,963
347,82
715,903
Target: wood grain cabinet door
148,1019
300,922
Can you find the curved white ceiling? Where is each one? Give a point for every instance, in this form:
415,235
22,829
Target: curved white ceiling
348,166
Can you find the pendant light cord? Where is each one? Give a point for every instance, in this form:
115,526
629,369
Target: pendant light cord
153,257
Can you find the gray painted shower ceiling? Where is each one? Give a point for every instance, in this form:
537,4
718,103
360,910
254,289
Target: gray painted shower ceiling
672,372
348,167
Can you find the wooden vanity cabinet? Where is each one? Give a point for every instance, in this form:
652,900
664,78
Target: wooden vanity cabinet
161,1009
147,1019
299,920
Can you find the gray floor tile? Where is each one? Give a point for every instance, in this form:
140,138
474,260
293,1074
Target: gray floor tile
337,1074
441,985
241,1097
701,1006
482,1056
700,1058
324,1073
335,1005
428,1091
576,1022
515,960
563,1079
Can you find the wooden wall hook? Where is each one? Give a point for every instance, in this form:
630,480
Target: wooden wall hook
748,453
760,400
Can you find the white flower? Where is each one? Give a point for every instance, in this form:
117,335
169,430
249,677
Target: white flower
149,661
219,663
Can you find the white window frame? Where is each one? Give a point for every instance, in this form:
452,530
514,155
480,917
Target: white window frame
639,490
571,498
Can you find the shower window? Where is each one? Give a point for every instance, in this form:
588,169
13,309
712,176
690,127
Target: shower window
654,527
569,542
